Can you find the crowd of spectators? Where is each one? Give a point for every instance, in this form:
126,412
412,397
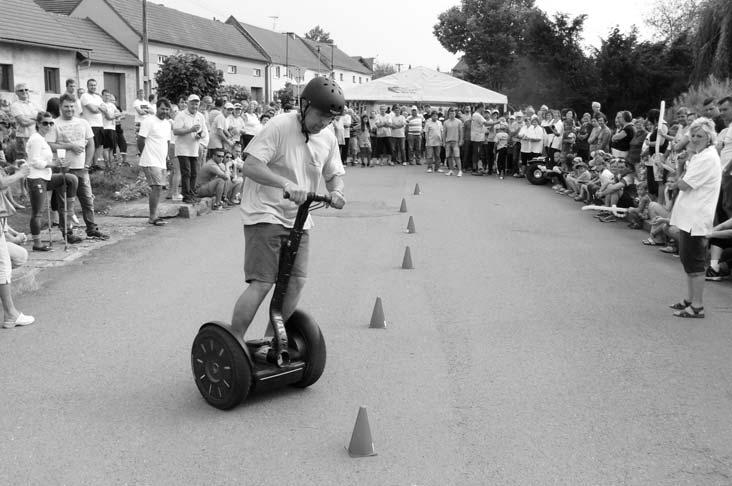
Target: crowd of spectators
645,173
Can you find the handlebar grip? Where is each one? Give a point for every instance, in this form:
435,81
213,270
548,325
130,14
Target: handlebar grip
313,197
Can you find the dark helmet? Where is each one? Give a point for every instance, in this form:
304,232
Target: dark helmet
325,95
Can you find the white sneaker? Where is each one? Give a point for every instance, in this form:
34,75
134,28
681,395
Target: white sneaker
404,163
177,197
460,173
74,219
429,170
440,170
21,320
448,173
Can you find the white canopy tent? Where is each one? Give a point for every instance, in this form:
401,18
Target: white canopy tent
422,85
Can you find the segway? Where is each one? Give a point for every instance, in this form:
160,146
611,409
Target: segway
227,369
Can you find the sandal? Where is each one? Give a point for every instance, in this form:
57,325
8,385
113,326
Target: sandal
681,305
690,312
157,222
668,249
650,242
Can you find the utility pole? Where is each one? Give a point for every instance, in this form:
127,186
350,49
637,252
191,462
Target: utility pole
332,67
399,67
145,53
274,21
318,47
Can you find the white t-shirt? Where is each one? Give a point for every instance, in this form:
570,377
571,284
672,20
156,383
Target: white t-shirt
236,125
106,123
28,109
281,145
252,126
725,154
143,105
384,130
94,119
693,210
157,134
347,125
39,156
187,145
76,131
477,127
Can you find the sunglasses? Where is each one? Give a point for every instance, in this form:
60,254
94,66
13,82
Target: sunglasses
22,90
47,123
228,157
218,155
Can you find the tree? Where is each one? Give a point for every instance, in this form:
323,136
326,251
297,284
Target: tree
713,41
489,33
382,69
286,96
234,92
185,74
670,18
319,35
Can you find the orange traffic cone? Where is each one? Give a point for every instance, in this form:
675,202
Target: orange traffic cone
410,226
403,208
417,190
361,443
378,321
407,261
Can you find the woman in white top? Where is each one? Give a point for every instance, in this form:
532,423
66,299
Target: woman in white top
8,253
40,179
693,212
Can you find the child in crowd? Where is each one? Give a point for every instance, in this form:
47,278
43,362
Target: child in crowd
364,142
501,148
578,177
637,215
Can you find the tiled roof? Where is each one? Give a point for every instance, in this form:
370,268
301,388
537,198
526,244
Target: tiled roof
341,60
25,21
281,50
104,48
64,7
177,28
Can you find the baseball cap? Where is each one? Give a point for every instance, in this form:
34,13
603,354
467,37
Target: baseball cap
229,105
237,106
194,97
414,107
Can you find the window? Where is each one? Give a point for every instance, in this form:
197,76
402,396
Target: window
231,69
257,73
341,77
360,80
354,78
162,59
6,77
277,72
52,80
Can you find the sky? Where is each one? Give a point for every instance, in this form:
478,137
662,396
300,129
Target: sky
368,28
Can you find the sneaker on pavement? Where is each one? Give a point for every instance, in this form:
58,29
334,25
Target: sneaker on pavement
460,173
429,170
177,197
72,238
713,275
95,233
21,320
448,173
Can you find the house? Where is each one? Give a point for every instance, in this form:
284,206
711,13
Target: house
173,32
344,69
290,59
43,49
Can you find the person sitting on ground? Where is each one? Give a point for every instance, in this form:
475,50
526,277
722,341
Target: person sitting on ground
720,251
638,214
619,192
232,187
577,178
211,180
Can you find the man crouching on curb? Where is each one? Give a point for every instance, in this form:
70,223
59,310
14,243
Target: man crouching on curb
289,155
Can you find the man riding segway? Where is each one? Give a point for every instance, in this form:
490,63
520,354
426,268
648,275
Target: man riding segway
287,158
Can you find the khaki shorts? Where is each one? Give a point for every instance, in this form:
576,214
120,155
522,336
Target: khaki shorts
154,176
452,149
262,243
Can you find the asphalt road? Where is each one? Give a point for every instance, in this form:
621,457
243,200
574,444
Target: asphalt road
531,345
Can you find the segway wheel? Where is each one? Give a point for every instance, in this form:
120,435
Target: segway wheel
305,337
221,370
535,175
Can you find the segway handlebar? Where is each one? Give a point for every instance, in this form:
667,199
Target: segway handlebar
313,197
